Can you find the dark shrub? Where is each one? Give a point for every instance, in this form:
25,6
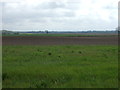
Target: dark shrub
80,52
49,53
72,51
4,76
59,56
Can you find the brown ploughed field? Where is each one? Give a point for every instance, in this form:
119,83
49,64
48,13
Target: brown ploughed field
48,40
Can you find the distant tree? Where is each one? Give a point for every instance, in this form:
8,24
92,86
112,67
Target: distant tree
6,32
39,31
16,33
46,31
118,29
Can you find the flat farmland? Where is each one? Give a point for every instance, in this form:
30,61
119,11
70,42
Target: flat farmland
57,40
60,62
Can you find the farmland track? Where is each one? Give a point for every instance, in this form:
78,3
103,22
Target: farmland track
47,40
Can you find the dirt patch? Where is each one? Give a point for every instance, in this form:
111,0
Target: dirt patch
47,40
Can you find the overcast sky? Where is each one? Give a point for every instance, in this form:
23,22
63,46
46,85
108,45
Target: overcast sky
59,14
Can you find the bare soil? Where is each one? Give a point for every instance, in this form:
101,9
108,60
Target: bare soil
47,40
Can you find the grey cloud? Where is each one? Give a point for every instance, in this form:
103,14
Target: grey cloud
53,15
58,4
110,7
69,14
35,13
50,5
28,14
55,5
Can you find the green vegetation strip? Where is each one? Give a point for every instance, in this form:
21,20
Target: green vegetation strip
60,66
63,35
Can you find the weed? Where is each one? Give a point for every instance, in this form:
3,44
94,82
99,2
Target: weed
49,53
5,76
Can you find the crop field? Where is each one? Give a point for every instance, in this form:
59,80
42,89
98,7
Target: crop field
67,65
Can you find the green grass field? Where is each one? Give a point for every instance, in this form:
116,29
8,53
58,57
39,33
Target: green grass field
60,66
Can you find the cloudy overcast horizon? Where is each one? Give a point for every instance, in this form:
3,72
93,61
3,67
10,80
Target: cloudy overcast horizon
59,14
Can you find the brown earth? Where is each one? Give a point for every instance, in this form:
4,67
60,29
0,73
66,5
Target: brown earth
47,40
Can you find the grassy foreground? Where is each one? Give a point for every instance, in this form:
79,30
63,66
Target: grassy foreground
60,66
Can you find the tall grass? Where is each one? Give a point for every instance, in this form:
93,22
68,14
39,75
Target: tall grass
60,66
